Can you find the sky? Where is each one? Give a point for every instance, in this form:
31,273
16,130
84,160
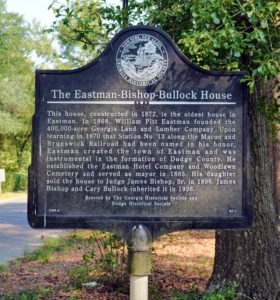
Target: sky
32,9
37,9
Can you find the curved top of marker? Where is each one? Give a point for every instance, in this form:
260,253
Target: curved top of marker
142,30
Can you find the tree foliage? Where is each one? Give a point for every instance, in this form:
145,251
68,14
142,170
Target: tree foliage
220,34
229,35
81,29
85,27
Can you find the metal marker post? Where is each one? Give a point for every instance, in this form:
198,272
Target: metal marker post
125,13
139,262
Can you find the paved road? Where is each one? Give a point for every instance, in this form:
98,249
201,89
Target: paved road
16,235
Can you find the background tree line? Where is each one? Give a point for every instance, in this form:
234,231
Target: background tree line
23,48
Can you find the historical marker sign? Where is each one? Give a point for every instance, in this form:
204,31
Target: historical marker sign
140,135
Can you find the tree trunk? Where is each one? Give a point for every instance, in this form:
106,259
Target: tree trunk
252,257
276,161
276,173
